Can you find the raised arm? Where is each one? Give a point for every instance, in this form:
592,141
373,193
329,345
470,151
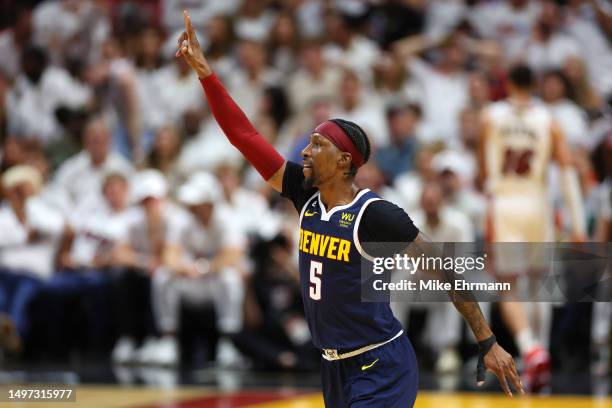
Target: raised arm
232,120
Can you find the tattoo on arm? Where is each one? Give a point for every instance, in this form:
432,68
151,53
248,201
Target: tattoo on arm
463,300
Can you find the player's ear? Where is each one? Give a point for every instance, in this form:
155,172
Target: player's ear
344,160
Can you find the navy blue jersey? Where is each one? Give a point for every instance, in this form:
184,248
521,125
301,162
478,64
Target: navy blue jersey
330,257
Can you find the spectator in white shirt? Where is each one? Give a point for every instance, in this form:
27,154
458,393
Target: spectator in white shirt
248,82
348,48
315,78
204,266
155,226
13,40
443,86
81,175
567,114
28,243
549,46
37,93
357,105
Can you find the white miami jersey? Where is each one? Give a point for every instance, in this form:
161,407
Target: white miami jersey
518,149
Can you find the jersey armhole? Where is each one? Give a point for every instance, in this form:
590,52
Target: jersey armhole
306,204
358,246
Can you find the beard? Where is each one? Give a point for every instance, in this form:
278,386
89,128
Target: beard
308,183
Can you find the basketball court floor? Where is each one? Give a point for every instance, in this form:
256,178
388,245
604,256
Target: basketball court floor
194,397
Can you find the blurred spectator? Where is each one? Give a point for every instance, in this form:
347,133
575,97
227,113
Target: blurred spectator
220,37
203,266
283,43
456,173
410,184
392,82
276,335
247,84
585,94
568,115
81,176
549,47
30,236
156,226
444,87
357,106
148,62
587,21
398,156
200,12
254,20
71,27
348,48
507,22
164,155
32,102
315,78
13,40
114,81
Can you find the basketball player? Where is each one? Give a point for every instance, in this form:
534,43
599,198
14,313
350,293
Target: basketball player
367,361
519,141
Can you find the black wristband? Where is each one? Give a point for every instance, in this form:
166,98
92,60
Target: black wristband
485,345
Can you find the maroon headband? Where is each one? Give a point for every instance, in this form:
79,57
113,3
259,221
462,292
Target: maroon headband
340,139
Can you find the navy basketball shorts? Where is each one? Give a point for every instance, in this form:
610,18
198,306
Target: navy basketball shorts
386,377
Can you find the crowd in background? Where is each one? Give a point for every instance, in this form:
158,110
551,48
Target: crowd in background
120,192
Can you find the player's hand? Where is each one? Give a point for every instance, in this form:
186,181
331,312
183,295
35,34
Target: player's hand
500,363
189,48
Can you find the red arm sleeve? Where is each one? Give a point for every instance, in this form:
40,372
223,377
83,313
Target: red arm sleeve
239,131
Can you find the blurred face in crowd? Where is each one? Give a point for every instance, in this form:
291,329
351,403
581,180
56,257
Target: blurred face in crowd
422,163
553,88
167,142
450,183
391,71
431,199
34,63
453,56
402,123
321,110
350,89
370,176
311,57
336,29
480,92
152,206
469,122
13,152
116,192
518,4
218,30
150,42
97,140
252,55
22,30
229,178
203,212
284,30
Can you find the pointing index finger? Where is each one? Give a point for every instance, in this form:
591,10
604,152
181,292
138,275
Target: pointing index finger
188,26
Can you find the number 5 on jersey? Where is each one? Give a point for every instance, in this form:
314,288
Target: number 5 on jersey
316,269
